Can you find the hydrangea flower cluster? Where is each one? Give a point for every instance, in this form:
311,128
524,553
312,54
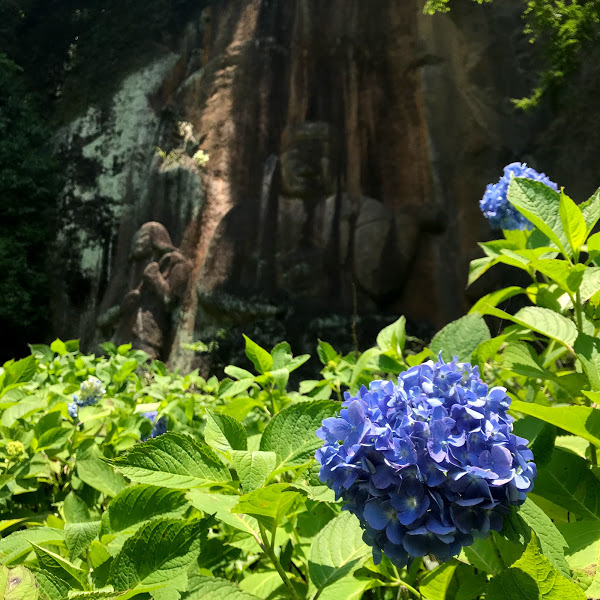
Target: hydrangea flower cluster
426,465
90,391
160,426
495,205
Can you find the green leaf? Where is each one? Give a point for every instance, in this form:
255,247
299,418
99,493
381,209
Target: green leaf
591,211
253,468
18,583
361,367
100,476
268,505
337,551
512,584
291,433
79,536
483,555
551,541
348,588
573,222
75,509
583,421
59,347
552,585
478,267
541,205
461,338
583,551
568,482
137,504
214,588
17,545
568,277
542,320
59,567
50,586
160,552
260,358
237,372
220,506
393,337
587,349
434,584
326,353
495,298
174,461
541,436
224,432
261,584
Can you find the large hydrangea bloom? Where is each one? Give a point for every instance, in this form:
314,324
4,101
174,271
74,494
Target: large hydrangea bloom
495,205
90,391
426,464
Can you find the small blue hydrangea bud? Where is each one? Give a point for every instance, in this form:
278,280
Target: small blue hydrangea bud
427,464
90,391
73,409
160,426
495,205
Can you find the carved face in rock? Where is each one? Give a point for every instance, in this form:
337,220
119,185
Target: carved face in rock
306,160
150,237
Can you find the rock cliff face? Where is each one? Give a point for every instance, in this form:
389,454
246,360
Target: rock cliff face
348,145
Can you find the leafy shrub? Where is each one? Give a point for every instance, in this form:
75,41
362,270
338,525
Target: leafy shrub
227,503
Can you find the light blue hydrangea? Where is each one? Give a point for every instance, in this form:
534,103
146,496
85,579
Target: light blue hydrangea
427,464
495,205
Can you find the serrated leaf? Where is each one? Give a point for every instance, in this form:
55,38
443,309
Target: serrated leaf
138,504
59,567
478,267
337,551
583,551
461,337
172,460
260,358
348,588
434,584
291,433
75,509
18,583
552,543
78,536
573,222
224,432
158,553
220,506
326,352
541,205
215,588
253,468
51,587
568,277
17,545
495,298
568,482
583,421
512,584
551,584
268,505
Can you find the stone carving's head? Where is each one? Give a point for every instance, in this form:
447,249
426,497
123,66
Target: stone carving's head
151,238
307,169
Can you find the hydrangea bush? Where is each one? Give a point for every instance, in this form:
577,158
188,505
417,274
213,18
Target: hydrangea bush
426,464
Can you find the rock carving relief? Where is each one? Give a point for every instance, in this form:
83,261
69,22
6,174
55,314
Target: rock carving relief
157,277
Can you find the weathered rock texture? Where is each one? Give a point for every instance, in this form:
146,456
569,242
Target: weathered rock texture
398,120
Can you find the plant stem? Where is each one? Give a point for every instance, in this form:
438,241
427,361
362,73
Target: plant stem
271,554
578,314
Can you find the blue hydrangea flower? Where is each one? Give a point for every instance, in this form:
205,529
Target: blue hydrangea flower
73,409
495,205
160,426
90,391
427,464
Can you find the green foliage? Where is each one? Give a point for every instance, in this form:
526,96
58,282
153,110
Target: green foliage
565,31
228,504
